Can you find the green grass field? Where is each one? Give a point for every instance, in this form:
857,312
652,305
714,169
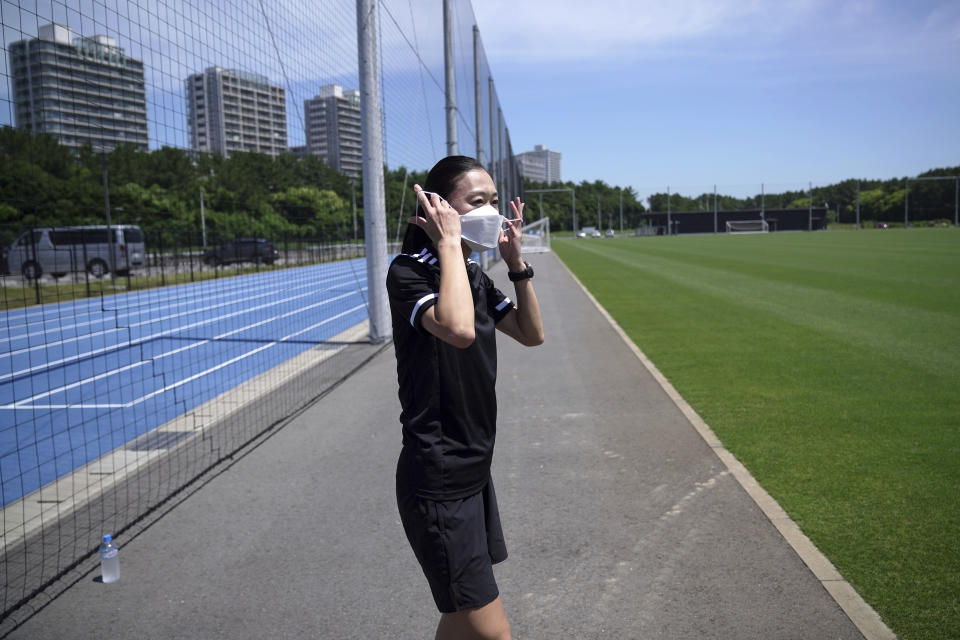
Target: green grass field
829,364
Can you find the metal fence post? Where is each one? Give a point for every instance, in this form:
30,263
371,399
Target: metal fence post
374,197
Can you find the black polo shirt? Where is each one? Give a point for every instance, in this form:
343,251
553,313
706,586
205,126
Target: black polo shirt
447,394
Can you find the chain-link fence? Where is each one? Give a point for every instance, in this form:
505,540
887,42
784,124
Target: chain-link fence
182,217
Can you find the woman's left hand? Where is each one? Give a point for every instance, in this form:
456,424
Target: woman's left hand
511,238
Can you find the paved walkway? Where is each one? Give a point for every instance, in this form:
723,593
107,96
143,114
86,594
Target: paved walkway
620,520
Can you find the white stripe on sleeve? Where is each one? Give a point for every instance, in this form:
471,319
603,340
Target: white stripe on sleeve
503,304
420,303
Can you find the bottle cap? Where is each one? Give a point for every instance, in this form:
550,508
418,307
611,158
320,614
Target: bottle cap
107,538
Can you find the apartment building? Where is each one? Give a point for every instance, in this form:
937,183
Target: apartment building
541,164
230,110
80,90
333,130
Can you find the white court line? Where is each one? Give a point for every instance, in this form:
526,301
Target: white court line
25,403
155,309
199,297
150,296
144,339
180,383
91,306
131,343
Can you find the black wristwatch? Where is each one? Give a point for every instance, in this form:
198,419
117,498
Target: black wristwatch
516,276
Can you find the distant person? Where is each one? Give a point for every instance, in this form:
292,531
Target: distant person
445,310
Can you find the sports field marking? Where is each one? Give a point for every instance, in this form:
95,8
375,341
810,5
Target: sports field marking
155,320
29,403
85,484
100,373
867,621
92,306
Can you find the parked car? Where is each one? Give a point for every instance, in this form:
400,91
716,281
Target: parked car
256,250
589,232
609,233
97,249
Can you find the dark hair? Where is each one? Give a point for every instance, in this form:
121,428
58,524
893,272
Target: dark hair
442,179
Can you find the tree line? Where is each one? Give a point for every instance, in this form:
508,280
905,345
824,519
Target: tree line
249,194
879,200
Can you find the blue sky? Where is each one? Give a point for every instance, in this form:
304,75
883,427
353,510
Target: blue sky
736,93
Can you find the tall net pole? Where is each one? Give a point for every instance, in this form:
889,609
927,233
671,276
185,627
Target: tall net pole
493,143
449,79
374,197
477,107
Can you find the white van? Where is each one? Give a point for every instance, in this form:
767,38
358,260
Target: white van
62,250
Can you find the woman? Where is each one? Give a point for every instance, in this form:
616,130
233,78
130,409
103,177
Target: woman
444,311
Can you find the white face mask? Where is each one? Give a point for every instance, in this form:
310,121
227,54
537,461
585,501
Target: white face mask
480,228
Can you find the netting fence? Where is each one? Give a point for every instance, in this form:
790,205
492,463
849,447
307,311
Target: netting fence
182,219
928,200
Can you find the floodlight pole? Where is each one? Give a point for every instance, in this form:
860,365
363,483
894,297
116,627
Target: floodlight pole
810,208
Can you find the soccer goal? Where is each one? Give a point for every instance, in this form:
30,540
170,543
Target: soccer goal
747,226
536,236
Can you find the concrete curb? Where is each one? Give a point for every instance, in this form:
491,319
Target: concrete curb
867,621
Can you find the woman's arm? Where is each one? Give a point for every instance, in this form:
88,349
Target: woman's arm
451,319
525,324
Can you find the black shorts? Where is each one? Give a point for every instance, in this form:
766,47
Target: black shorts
457,542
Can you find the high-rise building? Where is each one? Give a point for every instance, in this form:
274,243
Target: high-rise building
230,110
540,165
80,90
333,131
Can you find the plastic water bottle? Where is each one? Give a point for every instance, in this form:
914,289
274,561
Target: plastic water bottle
109,560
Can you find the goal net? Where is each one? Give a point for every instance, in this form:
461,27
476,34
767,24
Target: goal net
747,226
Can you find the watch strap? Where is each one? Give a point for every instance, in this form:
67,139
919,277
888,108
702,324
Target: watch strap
516,276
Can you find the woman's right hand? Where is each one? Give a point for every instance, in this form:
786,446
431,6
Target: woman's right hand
439,219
